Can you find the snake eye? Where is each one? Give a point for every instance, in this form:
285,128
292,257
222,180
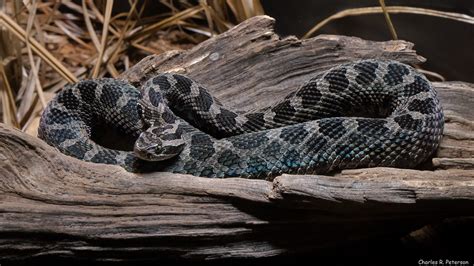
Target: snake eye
157,147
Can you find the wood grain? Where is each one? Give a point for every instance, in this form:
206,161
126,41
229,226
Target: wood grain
52,205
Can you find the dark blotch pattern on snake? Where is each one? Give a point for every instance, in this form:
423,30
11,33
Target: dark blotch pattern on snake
362,114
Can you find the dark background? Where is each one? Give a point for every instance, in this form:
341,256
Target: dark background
447,45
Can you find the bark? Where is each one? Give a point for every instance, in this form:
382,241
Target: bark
52,205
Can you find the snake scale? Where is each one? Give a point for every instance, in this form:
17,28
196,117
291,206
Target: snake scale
365,113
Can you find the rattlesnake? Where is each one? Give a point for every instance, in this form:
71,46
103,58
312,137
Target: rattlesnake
362,114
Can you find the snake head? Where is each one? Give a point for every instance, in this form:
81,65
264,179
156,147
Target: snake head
157,145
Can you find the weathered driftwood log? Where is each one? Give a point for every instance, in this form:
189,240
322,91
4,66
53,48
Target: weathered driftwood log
55,205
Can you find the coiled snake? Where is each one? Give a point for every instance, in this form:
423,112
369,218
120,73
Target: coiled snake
362,114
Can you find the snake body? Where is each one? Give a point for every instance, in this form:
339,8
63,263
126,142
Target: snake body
362,114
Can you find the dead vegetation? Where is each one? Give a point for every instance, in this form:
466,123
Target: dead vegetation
87,210
46,44
55,206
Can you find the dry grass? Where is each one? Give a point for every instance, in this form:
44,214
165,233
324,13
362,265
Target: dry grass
393,10
393,32
46,44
